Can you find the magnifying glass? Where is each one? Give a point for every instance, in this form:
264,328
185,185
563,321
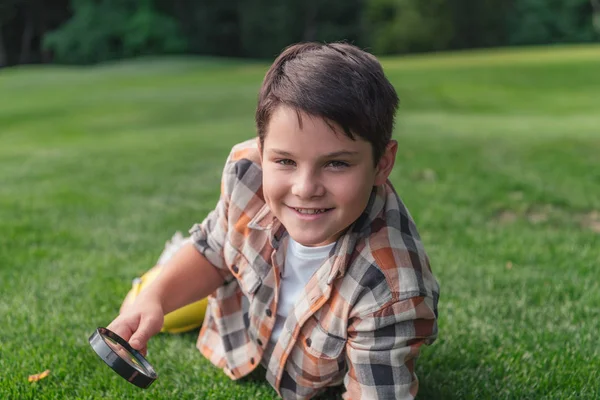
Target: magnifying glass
122,358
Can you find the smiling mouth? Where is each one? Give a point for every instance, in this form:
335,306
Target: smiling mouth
311,211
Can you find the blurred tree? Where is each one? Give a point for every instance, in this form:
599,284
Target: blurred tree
33,11
210,26
7,13
97,30
109,29
403,26
596,14
261,28
149,32
23,23
3,56
267,26
551,21
335,20
478,23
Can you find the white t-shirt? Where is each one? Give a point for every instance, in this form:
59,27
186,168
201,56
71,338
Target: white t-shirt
301,263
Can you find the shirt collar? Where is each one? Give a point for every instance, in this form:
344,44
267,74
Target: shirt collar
265,220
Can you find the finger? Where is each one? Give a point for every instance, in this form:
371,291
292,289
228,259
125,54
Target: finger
124,327
144,351
144,332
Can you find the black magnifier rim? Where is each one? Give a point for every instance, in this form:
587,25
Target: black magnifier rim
119,365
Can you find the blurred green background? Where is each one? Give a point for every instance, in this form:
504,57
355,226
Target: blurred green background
103,159
90,31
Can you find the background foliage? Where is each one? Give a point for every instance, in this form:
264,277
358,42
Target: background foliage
91,31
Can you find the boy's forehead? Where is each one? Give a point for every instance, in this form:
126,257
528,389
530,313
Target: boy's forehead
325,146
300,120
290,128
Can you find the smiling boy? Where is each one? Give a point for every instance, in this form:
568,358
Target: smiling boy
316,192
312,265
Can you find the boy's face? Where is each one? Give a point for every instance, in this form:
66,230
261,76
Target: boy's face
317,182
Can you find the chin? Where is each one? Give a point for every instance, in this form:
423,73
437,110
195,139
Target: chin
314,241
307,241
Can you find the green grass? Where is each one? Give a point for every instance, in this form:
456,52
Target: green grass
498,162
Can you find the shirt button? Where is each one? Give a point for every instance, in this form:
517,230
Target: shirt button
308,342
259,342
235,269
268,312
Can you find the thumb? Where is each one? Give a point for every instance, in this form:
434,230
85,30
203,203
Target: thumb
146,329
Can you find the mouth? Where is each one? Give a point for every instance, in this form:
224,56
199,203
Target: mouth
311,211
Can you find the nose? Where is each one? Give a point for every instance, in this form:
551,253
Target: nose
307,185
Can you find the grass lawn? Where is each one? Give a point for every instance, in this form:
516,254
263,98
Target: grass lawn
499,163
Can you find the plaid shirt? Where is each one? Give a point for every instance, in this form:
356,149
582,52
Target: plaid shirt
361,318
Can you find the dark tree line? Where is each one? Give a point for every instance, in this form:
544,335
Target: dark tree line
90,31
23,24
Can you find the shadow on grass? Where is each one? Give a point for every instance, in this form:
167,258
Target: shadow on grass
438,378
432,390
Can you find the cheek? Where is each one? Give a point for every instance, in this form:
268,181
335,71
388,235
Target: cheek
352,192
273,186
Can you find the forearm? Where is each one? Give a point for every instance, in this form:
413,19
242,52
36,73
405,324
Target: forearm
187,277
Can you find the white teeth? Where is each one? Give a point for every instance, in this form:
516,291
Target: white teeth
310,210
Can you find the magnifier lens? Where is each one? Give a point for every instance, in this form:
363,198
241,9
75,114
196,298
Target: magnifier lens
122,358
124,354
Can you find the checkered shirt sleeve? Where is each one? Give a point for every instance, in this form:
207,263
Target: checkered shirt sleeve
382,348
209,236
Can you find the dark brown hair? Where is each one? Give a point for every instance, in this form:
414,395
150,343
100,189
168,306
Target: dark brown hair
338,82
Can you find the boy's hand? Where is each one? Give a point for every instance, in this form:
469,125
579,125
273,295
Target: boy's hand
140,321
184,279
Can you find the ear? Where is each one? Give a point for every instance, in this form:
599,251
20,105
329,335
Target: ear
386,163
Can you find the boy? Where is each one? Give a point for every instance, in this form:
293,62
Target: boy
312,265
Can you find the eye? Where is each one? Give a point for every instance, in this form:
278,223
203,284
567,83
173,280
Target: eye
285,161
337,164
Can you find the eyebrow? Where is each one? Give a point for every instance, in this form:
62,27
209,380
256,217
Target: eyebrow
342,153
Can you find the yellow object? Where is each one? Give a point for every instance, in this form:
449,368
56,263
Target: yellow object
37,377
182,320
